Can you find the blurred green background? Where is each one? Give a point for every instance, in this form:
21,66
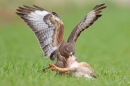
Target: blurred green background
105,45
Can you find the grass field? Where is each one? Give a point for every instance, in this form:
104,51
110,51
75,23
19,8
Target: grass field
105,46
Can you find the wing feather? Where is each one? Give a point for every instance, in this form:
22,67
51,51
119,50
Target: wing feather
45,26
87,21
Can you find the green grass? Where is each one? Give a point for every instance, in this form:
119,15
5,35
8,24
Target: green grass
105,46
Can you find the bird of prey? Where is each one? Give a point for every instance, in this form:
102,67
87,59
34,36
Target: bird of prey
49,30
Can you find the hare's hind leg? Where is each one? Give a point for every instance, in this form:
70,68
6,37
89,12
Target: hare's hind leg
61,70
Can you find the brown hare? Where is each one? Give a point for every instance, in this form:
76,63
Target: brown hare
79,69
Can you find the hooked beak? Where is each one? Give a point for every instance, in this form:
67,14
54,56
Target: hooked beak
71,53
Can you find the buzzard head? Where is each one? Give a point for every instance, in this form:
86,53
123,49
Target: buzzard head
67,49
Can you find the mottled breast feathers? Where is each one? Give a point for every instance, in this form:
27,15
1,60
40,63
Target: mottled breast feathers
47,27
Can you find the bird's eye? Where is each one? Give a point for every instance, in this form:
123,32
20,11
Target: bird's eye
67,50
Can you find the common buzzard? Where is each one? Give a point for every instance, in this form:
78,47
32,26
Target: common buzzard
49,30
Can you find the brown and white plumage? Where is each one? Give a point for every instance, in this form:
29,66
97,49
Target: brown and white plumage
46,26
87,21
49,30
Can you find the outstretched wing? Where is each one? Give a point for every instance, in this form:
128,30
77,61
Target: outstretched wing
47,27
87,21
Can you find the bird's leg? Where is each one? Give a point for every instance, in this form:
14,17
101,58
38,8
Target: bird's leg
61,70
61,61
